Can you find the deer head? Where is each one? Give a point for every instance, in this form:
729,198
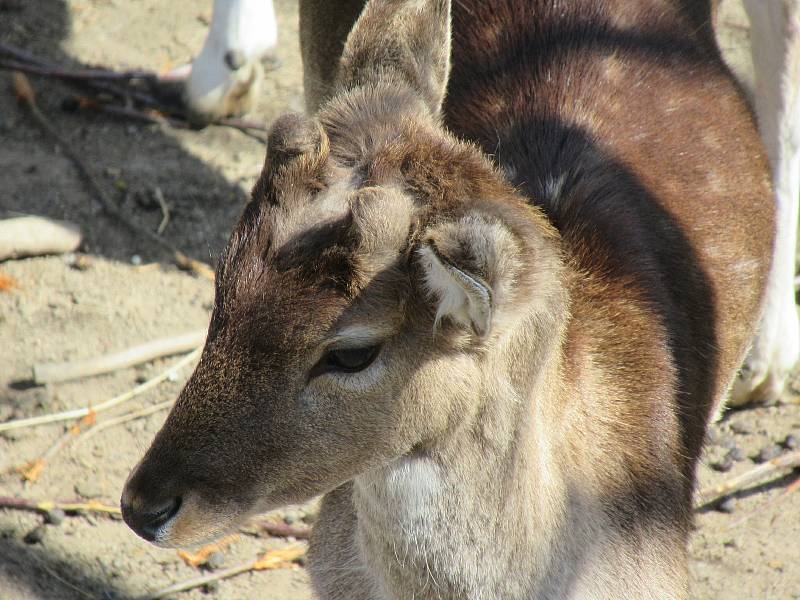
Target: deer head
378,267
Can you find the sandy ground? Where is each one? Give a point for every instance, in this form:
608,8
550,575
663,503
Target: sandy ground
63,313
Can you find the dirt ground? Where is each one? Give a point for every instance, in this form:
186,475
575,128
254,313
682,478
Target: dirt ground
60,313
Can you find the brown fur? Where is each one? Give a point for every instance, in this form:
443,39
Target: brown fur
556,328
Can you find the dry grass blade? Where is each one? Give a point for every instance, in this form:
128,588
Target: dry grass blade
201,556
103,406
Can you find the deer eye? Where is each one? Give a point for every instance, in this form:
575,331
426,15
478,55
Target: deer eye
349,360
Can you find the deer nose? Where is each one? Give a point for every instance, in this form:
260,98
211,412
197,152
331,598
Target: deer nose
148,519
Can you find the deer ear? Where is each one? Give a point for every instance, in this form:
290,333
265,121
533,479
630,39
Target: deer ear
405,39
469,268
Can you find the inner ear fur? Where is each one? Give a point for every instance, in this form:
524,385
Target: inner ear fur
470,268
405,40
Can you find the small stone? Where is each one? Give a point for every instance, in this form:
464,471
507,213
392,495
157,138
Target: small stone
215,561
55,517
728,505
289,519
791,442
34,536
767,453
731,543
88,489
736,454
82,262
136,260
740,428
113,172
724,465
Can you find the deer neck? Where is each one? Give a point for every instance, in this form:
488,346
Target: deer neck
492,492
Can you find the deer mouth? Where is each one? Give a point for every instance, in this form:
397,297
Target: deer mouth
179,522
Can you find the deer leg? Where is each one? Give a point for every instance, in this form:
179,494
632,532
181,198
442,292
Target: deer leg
225,77
775,35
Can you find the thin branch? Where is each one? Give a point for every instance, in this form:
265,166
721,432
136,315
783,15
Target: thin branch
710,496
131,416
56,372
47,506
103,406
760,509
274,559
80,74
26,95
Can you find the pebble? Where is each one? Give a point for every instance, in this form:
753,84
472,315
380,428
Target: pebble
215,561
768,453
88,489
791,442
724,465
736,454
728,505
740,428
289,518
136,260
34,536
55,517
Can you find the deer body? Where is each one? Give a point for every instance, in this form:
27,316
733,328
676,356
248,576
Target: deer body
500,378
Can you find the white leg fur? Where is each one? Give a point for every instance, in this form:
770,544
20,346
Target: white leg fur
226,75
775,39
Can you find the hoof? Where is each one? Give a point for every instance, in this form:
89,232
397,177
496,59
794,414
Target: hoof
233,93
774,354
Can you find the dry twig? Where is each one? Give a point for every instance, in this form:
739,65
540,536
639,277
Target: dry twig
46,506
710,496
274,559
103,406
137,414
26,95
760,509
56,372
35,236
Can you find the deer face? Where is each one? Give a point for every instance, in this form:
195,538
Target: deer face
375,268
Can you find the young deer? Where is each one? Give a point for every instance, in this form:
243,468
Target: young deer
500,378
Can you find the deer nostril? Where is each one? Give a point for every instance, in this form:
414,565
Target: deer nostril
148,524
